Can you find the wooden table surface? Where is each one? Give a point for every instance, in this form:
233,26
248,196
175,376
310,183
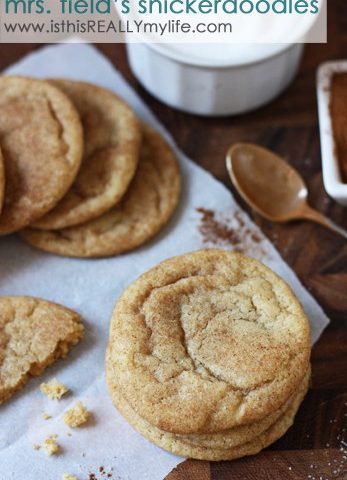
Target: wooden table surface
314,447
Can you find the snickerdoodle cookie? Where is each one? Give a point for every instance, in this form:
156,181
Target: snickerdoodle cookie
143,211
206,342
226,445
112,138
42,141
33,334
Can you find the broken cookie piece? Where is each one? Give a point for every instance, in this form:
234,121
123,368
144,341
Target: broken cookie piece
76,416
67,476
53,389
33,334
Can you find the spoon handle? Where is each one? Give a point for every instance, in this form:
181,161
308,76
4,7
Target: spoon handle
318,217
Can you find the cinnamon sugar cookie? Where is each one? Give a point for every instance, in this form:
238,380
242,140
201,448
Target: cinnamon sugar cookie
143,211
42,141
226,445
206,342
33,334
112,138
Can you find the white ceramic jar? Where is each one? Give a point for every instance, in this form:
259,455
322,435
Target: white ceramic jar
333,182
208,84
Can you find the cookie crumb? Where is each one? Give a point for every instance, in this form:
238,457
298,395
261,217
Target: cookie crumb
46,416
54,389
36,446
67,476
76,416
51,446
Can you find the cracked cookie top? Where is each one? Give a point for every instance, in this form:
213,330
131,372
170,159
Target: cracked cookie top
207,341
42,143
112,138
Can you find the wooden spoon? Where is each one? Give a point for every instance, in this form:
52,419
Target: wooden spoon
271,186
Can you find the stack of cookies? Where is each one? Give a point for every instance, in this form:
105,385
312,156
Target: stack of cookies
208,355
79,174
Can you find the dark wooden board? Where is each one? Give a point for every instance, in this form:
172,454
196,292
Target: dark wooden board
289,126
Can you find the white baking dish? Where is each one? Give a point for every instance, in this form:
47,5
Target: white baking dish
331,169
217,86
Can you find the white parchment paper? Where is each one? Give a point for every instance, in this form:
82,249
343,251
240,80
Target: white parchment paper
91,287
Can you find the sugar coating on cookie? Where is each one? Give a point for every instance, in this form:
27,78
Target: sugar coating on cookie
112,139
207,341
54,389
231,448
33,334
143,211
41,140
77,416
233,437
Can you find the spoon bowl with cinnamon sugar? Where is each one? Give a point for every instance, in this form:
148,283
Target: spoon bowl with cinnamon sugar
271,186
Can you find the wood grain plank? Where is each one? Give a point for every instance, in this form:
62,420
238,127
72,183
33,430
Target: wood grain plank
322,464
191,470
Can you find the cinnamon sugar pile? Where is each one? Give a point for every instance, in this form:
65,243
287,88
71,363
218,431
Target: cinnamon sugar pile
221,231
